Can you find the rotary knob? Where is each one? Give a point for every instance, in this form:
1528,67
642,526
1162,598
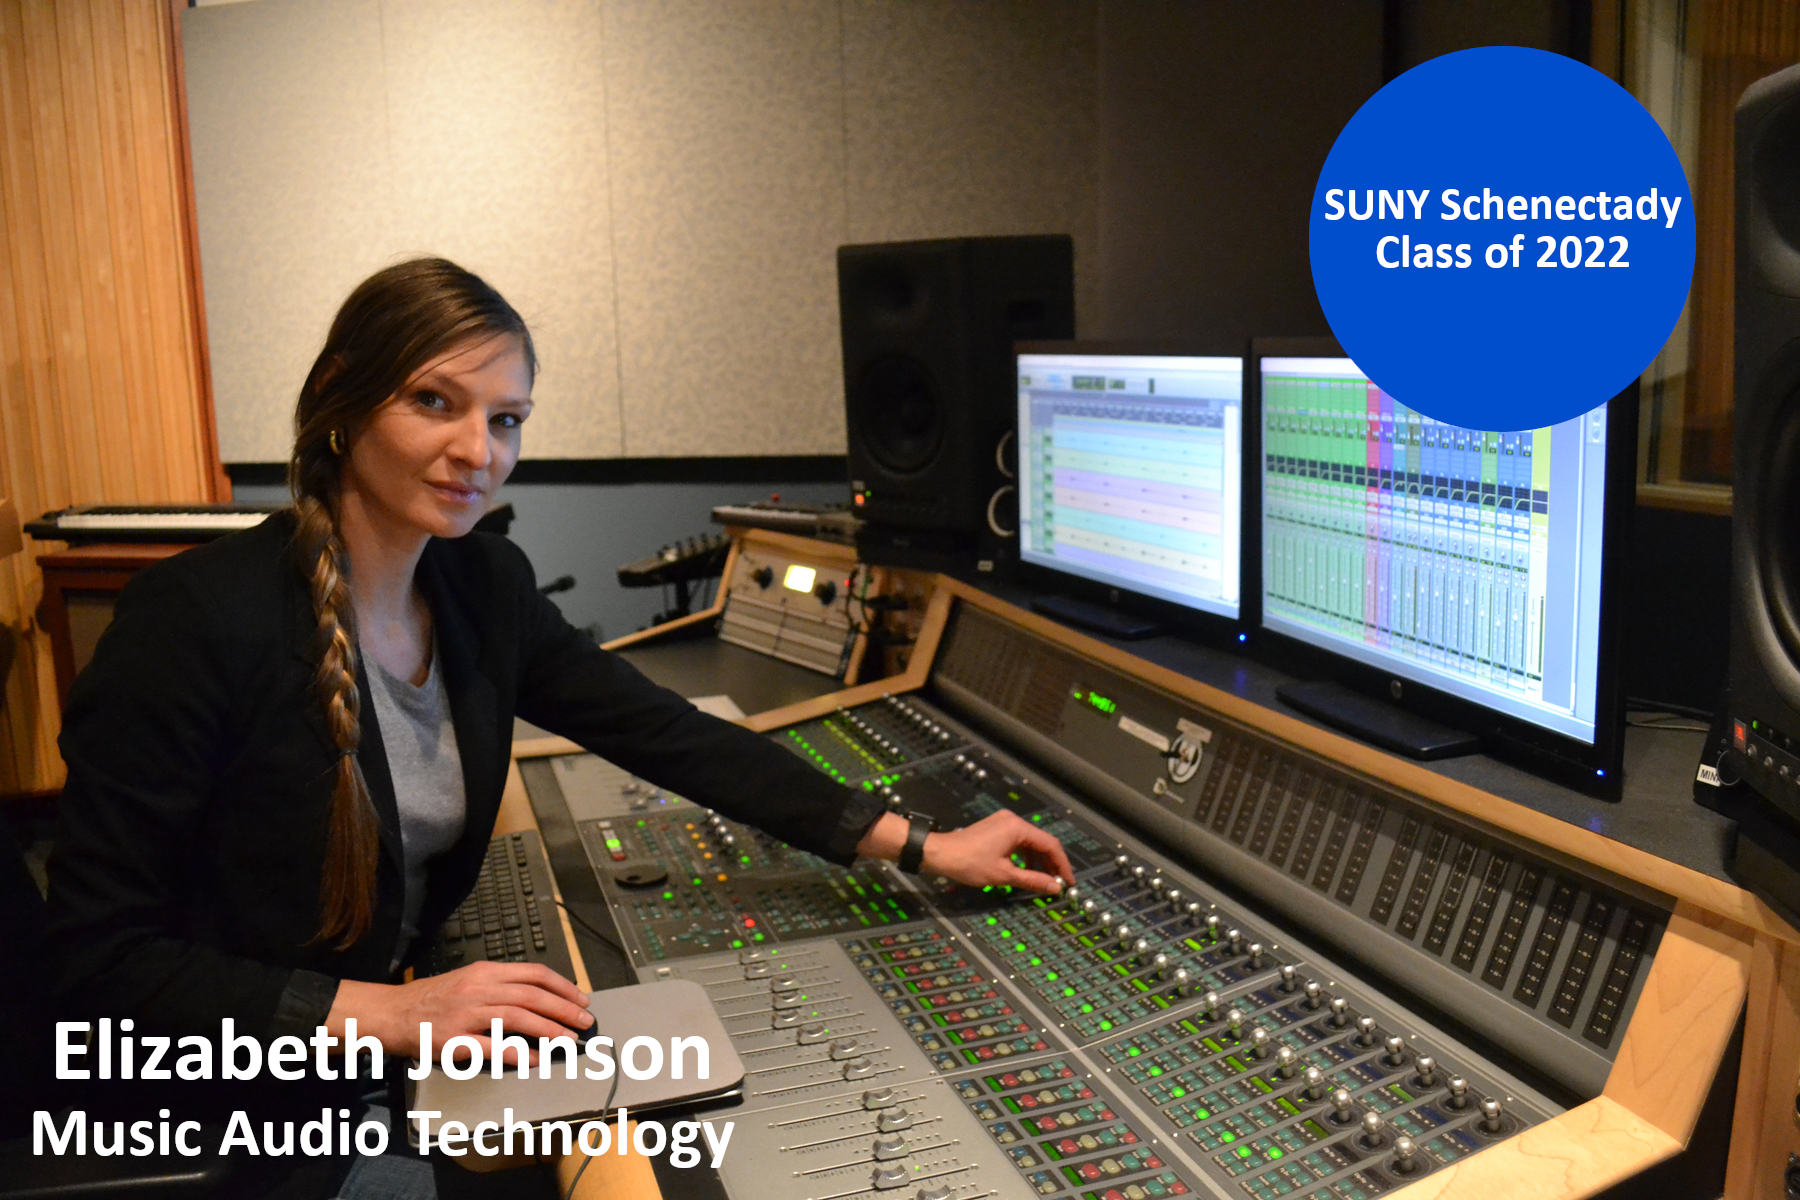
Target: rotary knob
1193,911
1142,949
1161,965
1254,962
1235,939
1259,1043
1175,899
1315,995
1374,1131
1490,1116
1342,1111
1234,1022
1459,1093
1365,1031
1427,1068
1209,1006
1158,885
893,1119
1090,911
1315,1084
1286,1062
1340,1012
1396,1052
1182,980
1290,980
1105,921
1123,864
1406,1156
1140,874
1124,932
1072,894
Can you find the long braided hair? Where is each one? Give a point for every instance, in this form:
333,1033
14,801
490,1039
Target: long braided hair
395,323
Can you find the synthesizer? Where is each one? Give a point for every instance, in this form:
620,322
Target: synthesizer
1231,1002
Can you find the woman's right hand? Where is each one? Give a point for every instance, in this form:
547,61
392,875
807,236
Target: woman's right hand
529,999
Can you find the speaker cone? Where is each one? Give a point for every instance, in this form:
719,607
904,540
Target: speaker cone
899,414
1778,532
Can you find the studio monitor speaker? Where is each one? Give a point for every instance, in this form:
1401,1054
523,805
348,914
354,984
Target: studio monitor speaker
1765,552
929,394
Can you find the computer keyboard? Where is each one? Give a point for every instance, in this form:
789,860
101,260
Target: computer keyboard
509,917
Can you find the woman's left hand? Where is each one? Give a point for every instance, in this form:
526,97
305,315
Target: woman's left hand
981,855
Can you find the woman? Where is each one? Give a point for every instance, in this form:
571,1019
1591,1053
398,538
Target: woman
237,839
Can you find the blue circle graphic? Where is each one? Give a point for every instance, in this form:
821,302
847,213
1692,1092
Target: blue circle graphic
1563,269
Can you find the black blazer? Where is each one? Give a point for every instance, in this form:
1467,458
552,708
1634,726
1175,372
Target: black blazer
184,887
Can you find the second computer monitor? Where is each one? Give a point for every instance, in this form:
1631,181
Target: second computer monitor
1130,471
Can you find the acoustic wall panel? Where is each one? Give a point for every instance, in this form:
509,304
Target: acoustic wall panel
728,206
287,108
498,151
660,185
973,119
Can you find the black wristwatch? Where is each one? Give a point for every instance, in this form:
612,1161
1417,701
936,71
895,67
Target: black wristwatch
912,855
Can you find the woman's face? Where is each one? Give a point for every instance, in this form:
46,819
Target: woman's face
432,457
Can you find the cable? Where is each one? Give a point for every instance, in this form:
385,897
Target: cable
605,1107
595,933
1640,704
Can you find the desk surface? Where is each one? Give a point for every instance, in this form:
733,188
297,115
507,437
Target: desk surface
706,666
1657,814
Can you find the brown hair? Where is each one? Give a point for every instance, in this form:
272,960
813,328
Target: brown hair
394,323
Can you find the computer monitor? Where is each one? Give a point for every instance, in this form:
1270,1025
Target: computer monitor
1463,569
1131,470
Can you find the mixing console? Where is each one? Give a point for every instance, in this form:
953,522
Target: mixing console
1139,1036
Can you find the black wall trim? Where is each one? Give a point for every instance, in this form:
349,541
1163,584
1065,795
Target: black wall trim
783,468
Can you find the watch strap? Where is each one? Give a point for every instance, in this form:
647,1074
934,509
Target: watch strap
912,855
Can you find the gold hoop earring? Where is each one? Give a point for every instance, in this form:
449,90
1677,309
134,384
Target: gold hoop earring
337,446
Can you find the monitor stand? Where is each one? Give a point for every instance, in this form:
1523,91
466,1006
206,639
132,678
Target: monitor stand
1095,618
1377,722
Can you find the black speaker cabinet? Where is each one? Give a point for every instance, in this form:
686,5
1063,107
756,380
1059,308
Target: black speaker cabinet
929,392
1765,553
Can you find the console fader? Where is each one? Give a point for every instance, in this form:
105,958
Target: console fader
1139,1036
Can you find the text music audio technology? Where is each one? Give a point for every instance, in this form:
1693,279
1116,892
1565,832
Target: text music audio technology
1142,1035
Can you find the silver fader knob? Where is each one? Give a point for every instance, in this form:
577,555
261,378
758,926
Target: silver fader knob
940,1192
811,1034
784,1019
893,1119
876,1098
844,1048
1459,1093
1254,962
1365,1031
1340,1011
1315,1084
1259,1043
1490,1116
1427,1076
1396,1053
1123,863
786,1000
889,1177
1289,980
786,983
1374,1131
1342,1111
1315,995
1286,1063
858,1068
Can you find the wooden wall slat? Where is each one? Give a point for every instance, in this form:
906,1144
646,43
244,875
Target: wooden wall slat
102,376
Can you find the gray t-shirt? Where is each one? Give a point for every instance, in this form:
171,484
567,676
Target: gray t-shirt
420,740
